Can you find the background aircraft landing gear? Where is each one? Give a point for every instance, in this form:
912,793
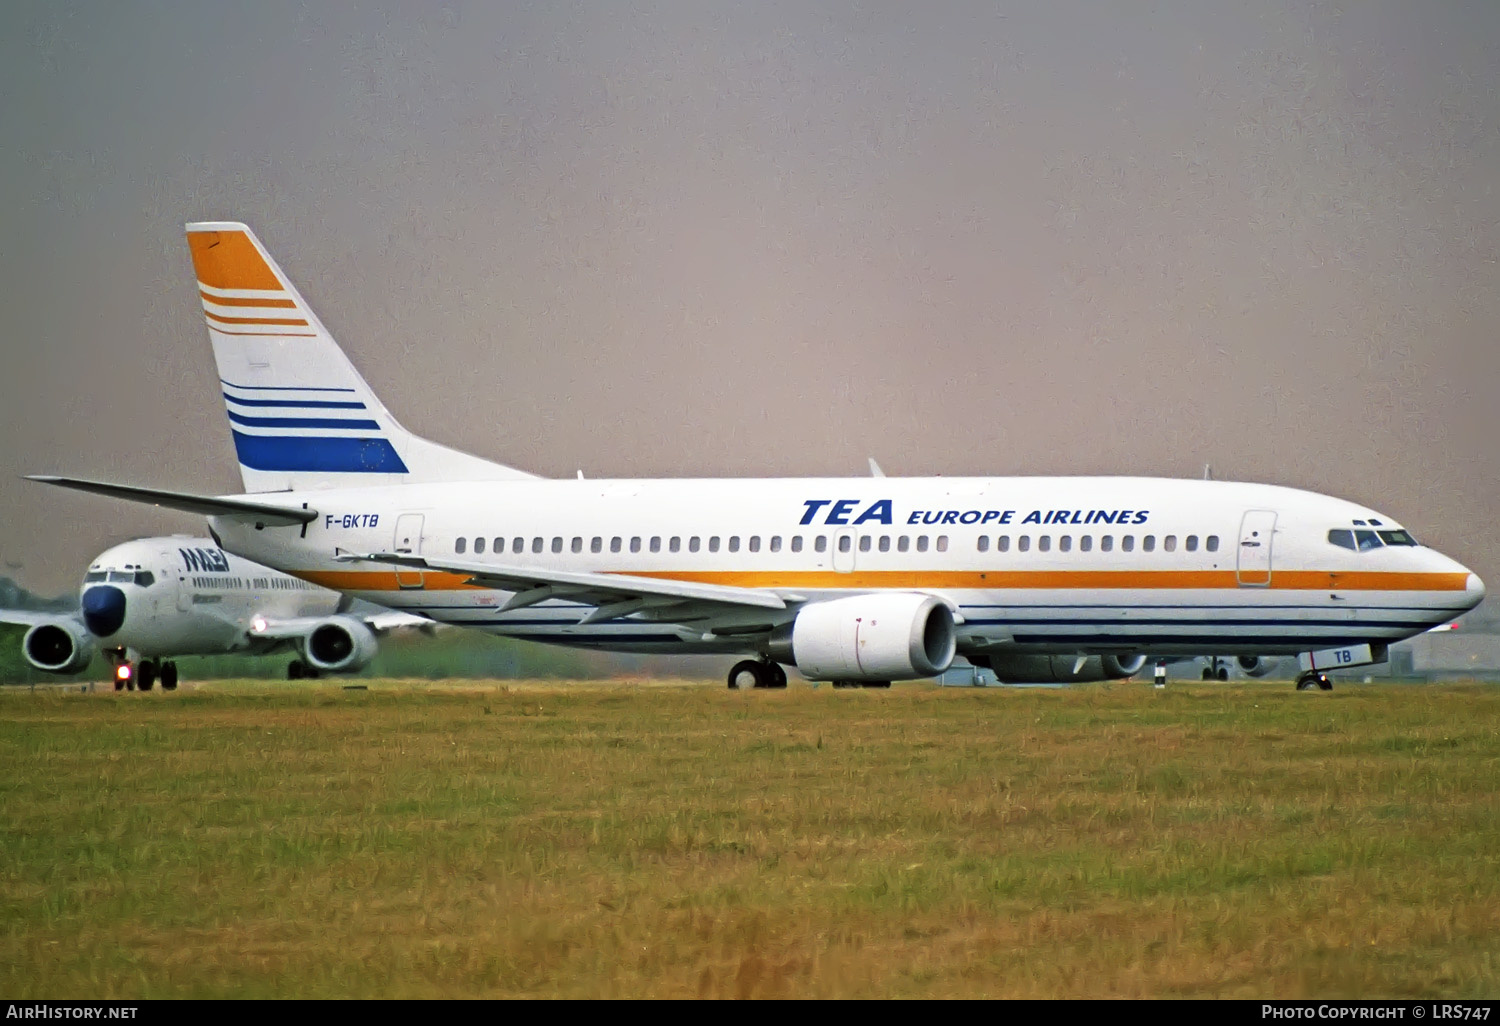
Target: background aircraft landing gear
169,676
1313,679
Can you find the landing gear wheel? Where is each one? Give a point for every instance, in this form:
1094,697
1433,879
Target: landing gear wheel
846,683
875,684
1313,679
146,675
119,684
747,673
775,675
294,670
1208,674
169,676
1223,673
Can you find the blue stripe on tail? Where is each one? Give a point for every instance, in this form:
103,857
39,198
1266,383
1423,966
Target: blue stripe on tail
328,455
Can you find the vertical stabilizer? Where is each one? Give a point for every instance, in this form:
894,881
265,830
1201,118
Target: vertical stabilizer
300,414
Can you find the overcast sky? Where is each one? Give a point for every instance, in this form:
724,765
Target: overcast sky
771,239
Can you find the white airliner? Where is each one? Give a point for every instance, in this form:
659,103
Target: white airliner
853,580
148,601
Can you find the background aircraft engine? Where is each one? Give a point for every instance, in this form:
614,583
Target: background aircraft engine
1256,666
339,644
874,638
1058,669
60,646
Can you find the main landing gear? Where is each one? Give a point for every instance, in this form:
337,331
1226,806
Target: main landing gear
756,673
1313,679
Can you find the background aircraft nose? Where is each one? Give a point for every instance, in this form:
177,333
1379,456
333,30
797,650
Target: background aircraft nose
104,609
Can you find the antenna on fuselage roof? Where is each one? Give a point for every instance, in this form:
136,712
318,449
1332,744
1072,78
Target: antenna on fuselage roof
580,475
875,470
1208,472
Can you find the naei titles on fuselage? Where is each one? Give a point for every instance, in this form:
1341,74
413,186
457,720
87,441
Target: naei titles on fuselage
853,580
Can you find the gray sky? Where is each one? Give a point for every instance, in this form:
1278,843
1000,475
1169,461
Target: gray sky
763,239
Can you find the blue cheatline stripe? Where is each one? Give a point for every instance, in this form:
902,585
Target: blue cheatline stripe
329,455
281,388
309,404
304,422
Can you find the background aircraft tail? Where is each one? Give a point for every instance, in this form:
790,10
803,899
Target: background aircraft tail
300,414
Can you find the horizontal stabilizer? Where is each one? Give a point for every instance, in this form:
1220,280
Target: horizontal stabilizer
207,505
593,588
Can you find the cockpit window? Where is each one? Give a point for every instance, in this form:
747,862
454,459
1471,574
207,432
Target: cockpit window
121,577
1343,539
145,578
1366,540
1396,538
95,576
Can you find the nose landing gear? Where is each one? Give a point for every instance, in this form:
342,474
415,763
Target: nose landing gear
1313,679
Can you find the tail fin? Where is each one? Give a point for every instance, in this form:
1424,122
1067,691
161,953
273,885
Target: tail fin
300,414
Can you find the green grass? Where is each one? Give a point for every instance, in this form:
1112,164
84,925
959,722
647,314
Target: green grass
635,839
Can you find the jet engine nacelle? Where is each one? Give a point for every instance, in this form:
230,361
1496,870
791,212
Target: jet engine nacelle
339,644
58,646
1059,669
873,638
1256,666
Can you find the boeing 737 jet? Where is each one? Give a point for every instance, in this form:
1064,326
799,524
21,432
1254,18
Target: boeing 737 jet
851,580
148,601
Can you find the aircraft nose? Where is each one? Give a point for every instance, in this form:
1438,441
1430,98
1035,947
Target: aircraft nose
1474,590
104,609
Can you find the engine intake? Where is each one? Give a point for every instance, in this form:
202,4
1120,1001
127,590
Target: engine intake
1256,666
882,637
339,644
58,646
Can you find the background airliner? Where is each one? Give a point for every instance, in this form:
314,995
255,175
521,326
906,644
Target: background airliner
148,601
854,580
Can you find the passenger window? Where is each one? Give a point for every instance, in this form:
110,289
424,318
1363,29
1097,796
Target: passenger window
846,543
577,544
614,544
1002,543
775,543
1148,543
596,545
557,544
1044,543
518,545
885,543
1192,543
1065,543
1169,543
656,543
1127,543
1023,543
754,543
713,543
499,545
1213,543
461,545
942,543
1366,540
921,543
694,543
635,544
675,545
903,544
984,543
864,543
734,543
1086,543
820,543
796,543
478,546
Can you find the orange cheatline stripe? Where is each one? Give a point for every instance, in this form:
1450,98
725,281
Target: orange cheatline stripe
242,301
229,260
264,334
1305,580
293,321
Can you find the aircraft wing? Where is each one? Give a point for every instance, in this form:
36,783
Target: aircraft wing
292,627
613,594
208,505
30,617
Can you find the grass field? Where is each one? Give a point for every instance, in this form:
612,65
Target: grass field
677,839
